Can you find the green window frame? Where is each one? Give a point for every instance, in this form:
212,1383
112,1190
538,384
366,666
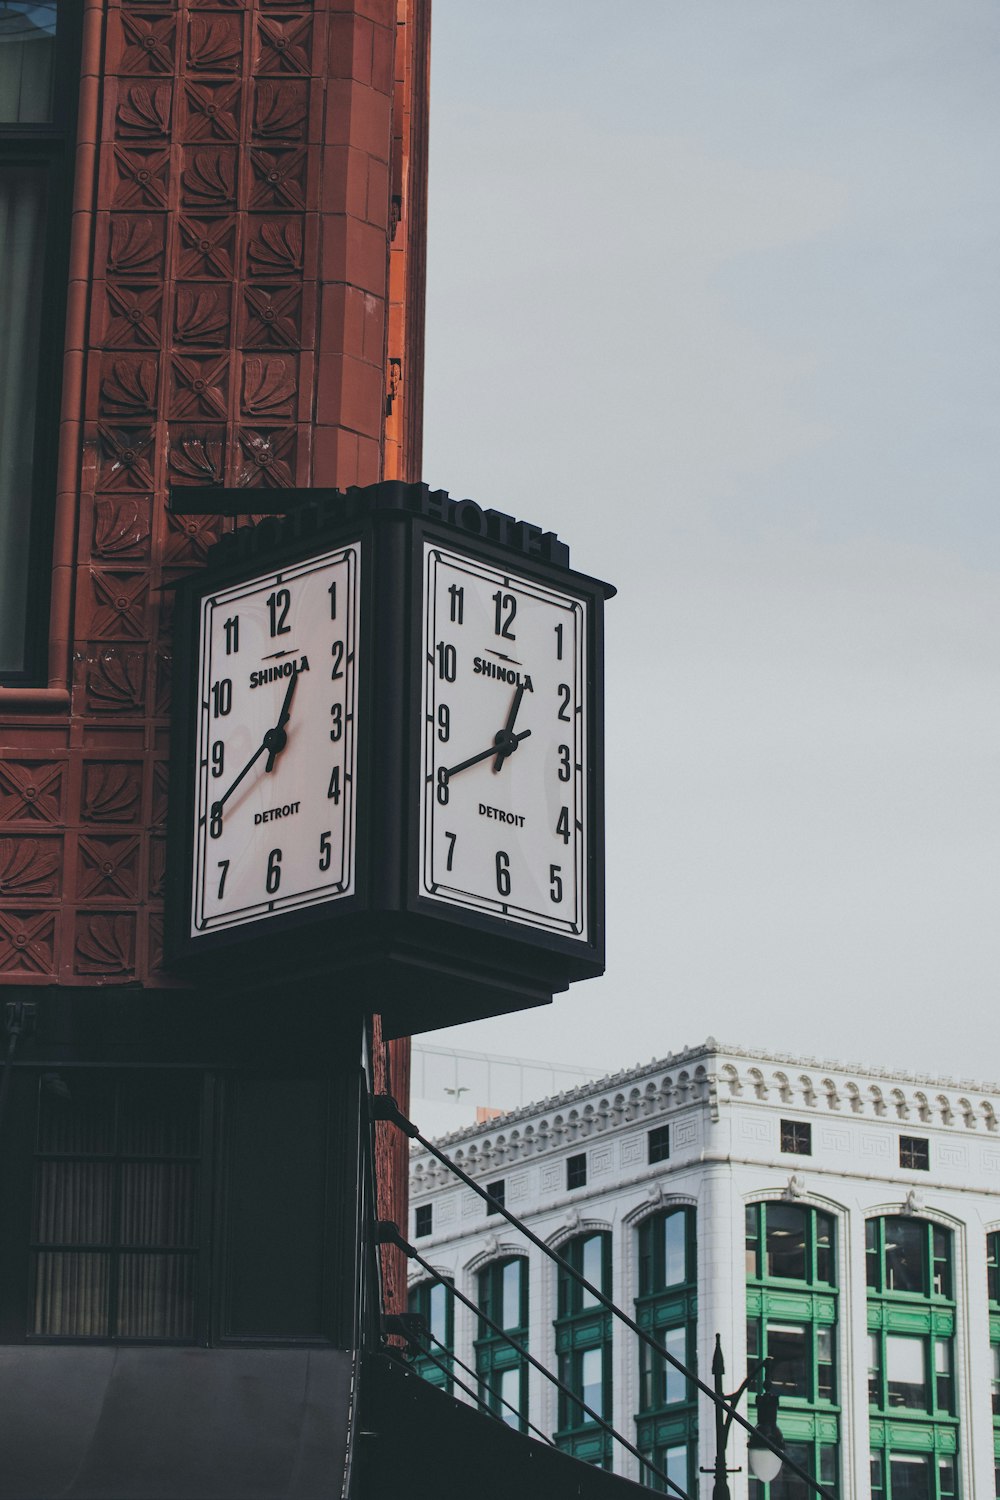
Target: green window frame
993,1304
913,1421
434,1301
666,1307
817,1456
502,1370
789,1242
793,1317
583,1348
900,1475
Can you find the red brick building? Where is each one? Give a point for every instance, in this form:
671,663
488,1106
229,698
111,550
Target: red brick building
238,191
212,226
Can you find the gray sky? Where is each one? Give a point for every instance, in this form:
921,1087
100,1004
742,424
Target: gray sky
713,293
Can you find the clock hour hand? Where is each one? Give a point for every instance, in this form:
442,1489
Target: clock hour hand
485,754
276,739
506,741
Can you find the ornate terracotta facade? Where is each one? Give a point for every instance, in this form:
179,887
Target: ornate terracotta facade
245,308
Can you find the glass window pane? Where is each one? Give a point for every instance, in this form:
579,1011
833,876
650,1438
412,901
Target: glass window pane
909,1477
752,1237
787,1345
824,1248
22,257
591,1382
511,1296
824,1362
156,1297
942,1262
993,1266
158,1204
675,1464
905,1254
905,1371
872,1269
510,1391
828,1463
674,1238
76,1114
789,1486
874,1363
71,1295
591,1262
27,52
675,1384
438,1314
786,1241
73,1203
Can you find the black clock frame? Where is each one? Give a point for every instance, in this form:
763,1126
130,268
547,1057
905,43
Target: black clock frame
420,962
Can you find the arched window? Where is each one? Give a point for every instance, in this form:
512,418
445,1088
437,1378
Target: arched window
792,1312
911,1383
502,1370
583,1349
434,1301
667,1421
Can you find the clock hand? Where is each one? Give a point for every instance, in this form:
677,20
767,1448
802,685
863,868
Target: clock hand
276,739
508,744
485,754
215,810
273,742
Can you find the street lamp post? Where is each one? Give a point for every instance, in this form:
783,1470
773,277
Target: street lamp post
764,1464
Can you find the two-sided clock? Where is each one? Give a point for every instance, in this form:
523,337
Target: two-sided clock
387,758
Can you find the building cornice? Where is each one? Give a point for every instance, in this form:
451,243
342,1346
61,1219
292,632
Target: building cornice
712,1075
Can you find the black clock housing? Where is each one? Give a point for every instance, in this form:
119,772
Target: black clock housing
385,947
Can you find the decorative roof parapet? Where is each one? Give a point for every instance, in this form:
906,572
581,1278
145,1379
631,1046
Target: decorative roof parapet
707,1074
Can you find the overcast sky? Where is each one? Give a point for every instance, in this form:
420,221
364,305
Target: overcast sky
713,293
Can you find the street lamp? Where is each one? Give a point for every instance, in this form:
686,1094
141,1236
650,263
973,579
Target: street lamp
763,1462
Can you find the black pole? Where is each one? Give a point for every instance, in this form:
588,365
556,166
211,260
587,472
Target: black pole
725,1411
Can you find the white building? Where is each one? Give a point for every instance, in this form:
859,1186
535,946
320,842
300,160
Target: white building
844,1220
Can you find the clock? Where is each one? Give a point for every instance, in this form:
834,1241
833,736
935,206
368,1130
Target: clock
275,766
386,778
504,775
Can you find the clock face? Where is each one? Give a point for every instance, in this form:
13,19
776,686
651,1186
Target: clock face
274,801
504,773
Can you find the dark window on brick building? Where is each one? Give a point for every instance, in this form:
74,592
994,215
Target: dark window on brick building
496,1192
576,1171
39,76
175,1206
423,1220
796,1137
915,1153
659,1143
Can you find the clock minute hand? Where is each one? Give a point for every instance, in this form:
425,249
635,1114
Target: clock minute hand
483,755
276,739
217,806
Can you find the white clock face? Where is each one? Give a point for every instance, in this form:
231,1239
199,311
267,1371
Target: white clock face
504,775
276,743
